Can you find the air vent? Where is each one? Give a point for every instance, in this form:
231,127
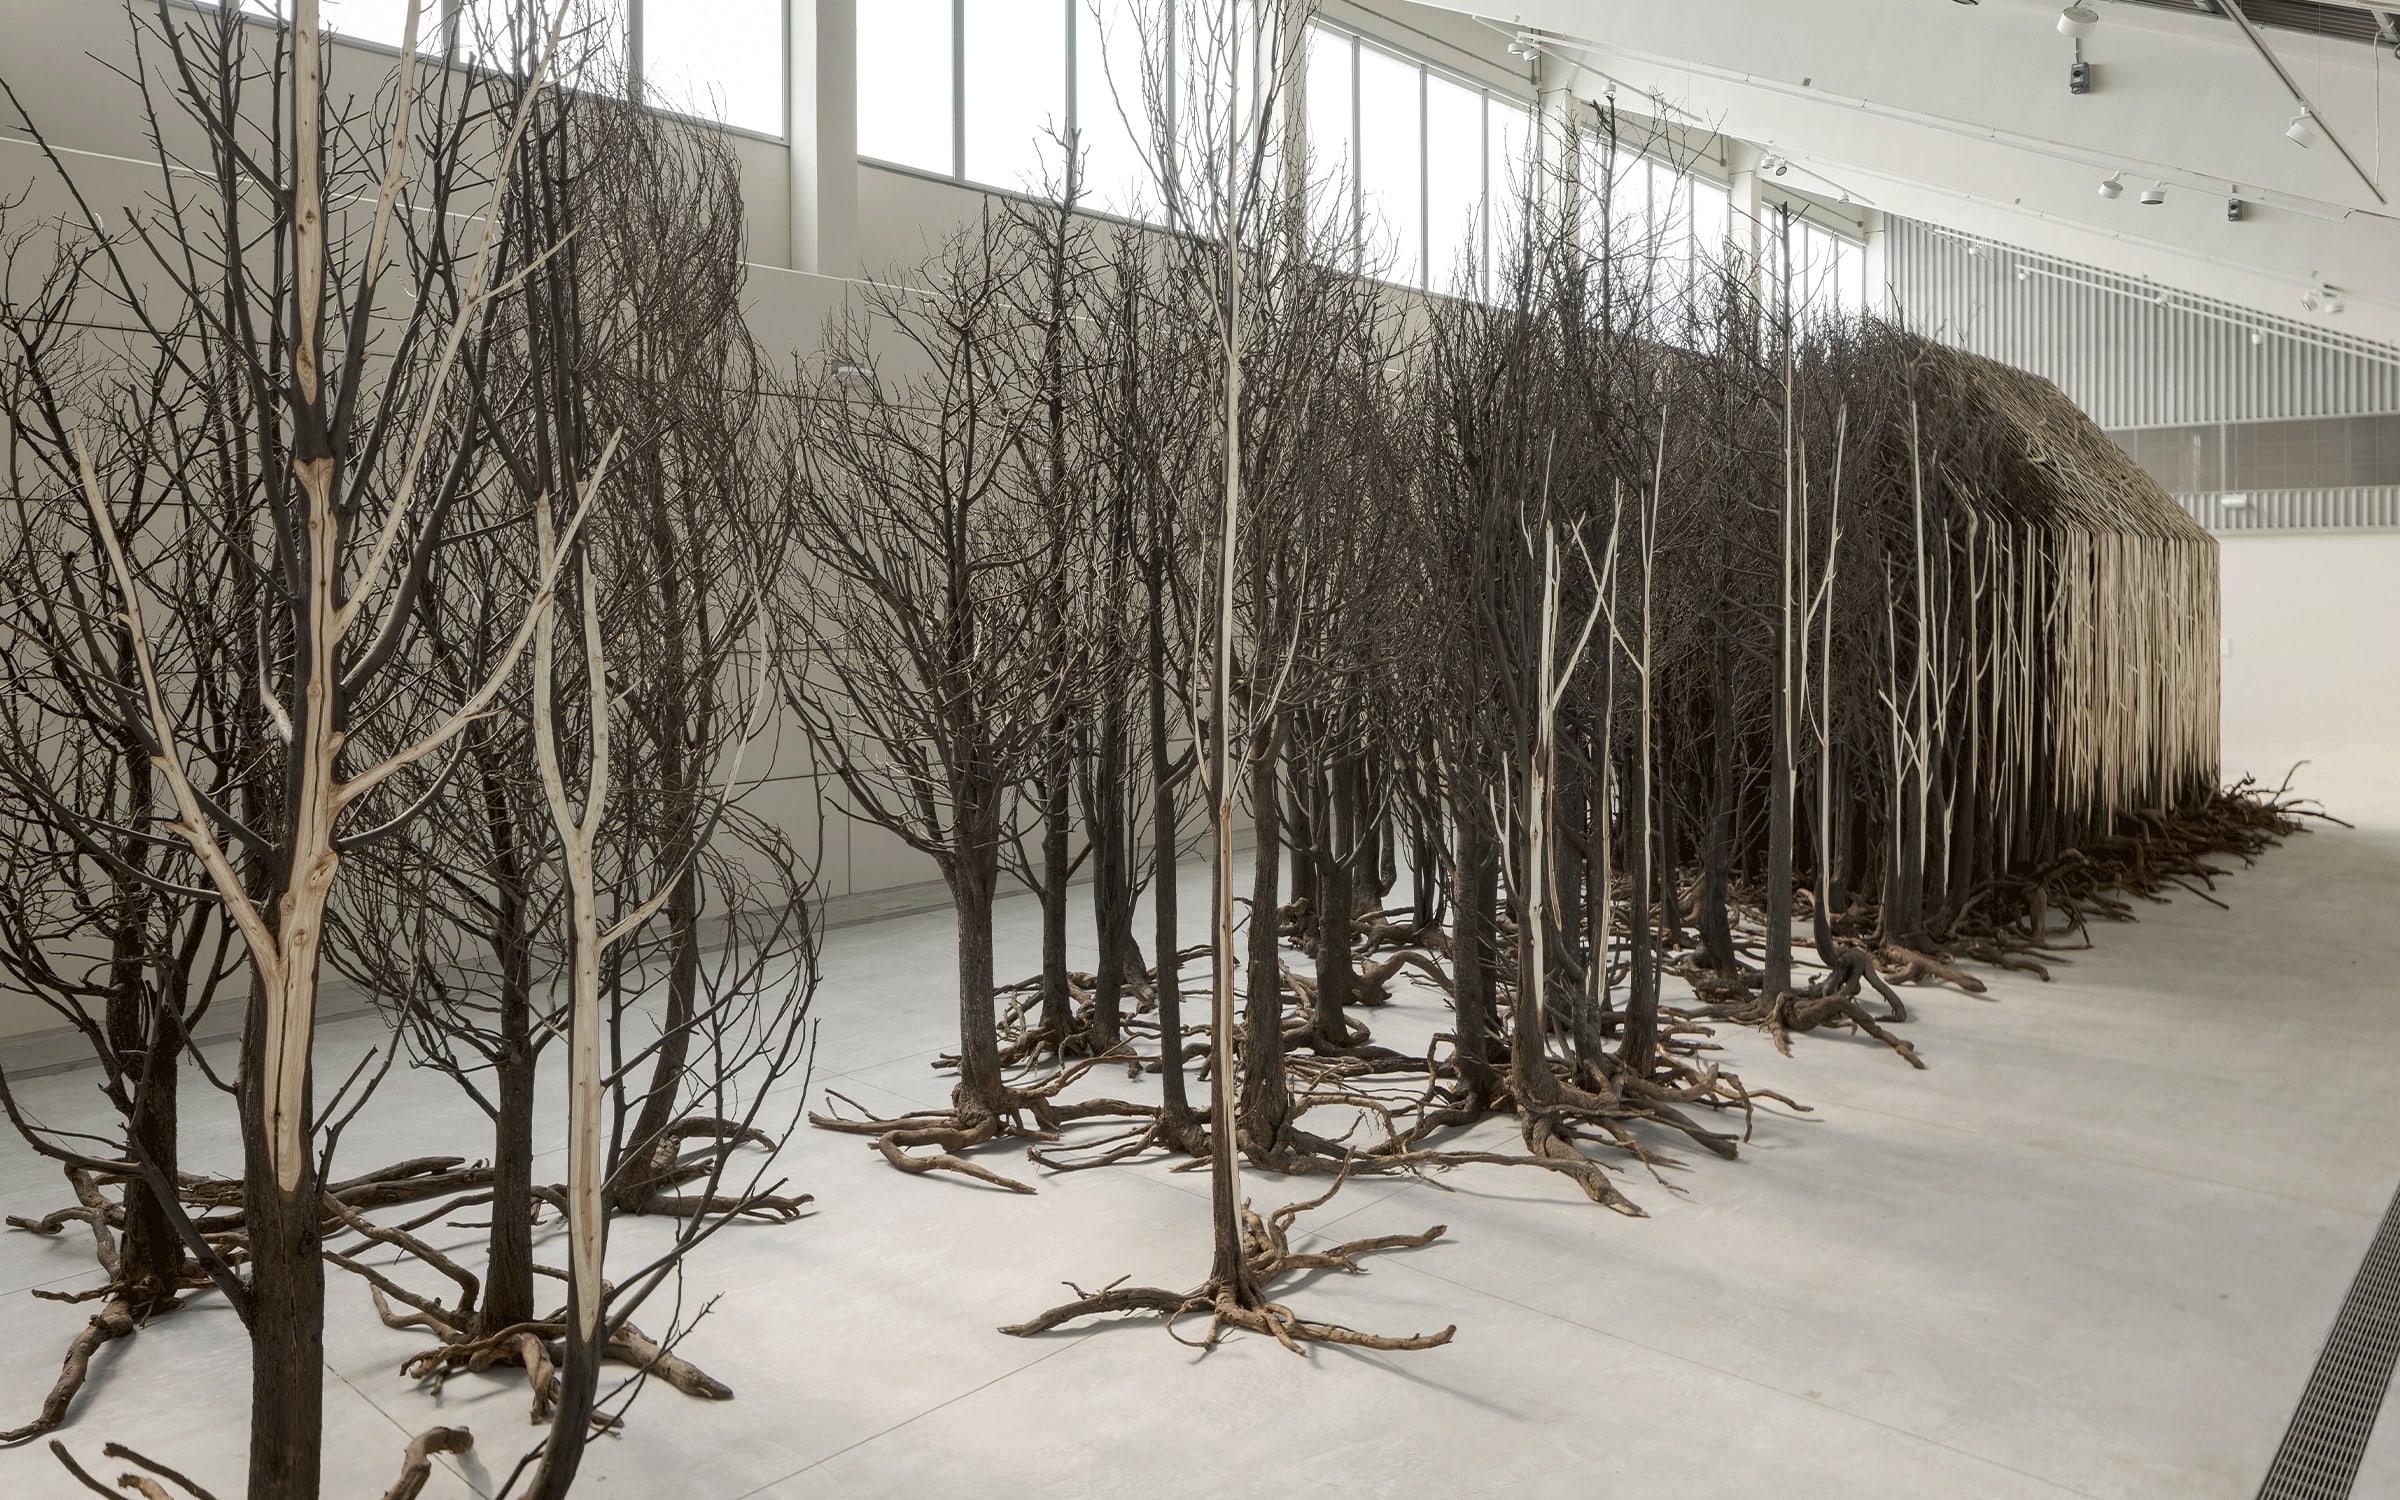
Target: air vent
2320,1453
2315,18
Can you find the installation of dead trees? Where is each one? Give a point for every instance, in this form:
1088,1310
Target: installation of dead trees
1661,625
409,608
386,609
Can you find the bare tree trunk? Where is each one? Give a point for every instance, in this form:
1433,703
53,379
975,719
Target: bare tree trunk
974,881
508,1275
287,1325
1166,840
1058,1001
1266,1092
1477,877
1112,875
1338,851
1778,961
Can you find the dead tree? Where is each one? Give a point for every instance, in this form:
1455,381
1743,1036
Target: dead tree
1240,65
919,647
336,506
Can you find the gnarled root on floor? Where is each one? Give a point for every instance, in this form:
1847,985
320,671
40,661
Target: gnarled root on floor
1598,1103
408,1181
1031,1112
1184,1136
1266,1254
1903,965
647,1192
132,1483
128,1305
416,1465
538,1349
1832,1001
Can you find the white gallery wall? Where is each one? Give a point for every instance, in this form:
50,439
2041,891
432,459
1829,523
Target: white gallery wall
2312,649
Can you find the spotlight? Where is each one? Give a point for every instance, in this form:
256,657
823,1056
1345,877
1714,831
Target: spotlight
2324,299
2303,130
2113,186
2077,20
2256,338
2154,196
2023,274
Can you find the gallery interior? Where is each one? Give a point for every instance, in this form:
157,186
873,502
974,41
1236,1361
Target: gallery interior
893,748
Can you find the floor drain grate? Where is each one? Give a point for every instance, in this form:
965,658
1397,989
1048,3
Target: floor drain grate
2321,1450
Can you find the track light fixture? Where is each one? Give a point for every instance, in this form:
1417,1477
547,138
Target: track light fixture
2077,20
2323,300
2303,130
2113,186
2154,196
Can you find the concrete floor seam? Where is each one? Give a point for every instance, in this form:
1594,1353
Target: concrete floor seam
914,1417
2104,1159
1747,1379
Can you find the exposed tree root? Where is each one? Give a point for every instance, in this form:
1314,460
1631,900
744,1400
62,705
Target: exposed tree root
1185,1136
1832,1002
1266,1254
408,1181
1026,1042
1901,965
1031,1113
138,1484
1589,1102
647,1191
538,1348
1373,928
416,1465
128,1308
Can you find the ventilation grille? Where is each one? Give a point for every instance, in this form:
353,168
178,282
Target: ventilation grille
2320,1453
2132,352
2348,23
2376,509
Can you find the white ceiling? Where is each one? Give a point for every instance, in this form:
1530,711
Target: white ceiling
1959,114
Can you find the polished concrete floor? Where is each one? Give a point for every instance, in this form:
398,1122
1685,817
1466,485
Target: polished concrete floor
2091,1250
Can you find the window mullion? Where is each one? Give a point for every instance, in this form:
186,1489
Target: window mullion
1483,225
633,50
1358,176
958,89
1424,195
1071,170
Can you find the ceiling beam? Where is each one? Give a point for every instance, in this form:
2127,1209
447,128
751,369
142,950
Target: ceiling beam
2234,9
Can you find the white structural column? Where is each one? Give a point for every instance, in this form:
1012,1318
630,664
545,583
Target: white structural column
823,79
1879,263
1557,140
1741,180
